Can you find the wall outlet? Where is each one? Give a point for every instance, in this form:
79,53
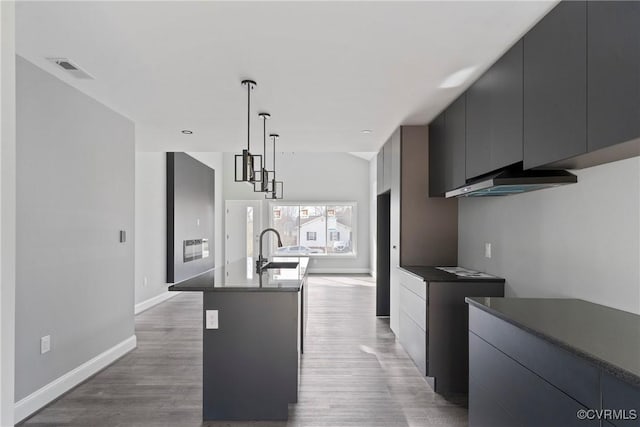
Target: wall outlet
45,344
212,319
145,281
487,250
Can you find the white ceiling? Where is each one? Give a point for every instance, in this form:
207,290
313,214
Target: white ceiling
325,70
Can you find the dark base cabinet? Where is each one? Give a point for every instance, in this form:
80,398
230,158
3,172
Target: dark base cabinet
433,323
514,394
519,379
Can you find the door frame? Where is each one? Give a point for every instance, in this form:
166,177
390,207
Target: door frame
257,223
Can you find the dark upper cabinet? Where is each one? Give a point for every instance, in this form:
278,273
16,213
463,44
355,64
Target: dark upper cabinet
387,166
555,86
447,135
613,64
380,172
383,168
494,116
455,141
437,162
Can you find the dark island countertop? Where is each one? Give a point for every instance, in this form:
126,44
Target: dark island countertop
241,276
434,274
606,337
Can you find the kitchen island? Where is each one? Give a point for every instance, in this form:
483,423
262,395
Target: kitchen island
252,338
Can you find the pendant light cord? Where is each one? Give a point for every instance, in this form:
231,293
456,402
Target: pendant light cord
249,117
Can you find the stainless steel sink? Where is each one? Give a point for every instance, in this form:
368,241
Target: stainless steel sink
280,265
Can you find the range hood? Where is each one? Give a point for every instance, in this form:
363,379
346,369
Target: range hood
509,182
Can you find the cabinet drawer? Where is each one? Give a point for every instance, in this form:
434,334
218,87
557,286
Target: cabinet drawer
618,395
574,376
414,307
531,400
485,412
414,283
414,341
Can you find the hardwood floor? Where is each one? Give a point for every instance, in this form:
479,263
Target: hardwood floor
354,373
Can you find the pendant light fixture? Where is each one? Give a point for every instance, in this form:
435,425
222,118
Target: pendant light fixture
262,186
248,167
275,188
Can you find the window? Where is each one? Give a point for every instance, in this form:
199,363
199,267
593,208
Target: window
315,229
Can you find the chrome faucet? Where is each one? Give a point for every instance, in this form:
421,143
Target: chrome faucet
262,260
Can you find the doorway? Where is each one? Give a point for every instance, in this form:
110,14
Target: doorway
383,250
243,223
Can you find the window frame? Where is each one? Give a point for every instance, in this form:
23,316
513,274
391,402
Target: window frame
354,227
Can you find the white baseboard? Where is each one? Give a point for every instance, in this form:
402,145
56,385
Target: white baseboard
56,388
330,270
151,302
372,272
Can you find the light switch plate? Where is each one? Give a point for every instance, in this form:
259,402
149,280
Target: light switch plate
487,250
45,344
211,319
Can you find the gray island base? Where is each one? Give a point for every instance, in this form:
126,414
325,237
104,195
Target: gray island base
251,351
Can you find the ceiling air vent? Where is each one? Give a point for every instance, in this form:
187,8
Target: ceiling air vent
71,68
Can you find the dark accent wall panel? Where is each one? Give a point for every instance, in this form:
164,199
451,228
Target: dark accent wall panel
190,214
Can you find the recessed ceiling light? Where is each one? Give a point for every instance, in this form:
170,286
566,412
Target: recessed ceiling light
186,131
458,78
366,131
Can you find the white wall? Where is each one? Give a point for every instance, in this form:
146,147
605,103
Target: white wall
151,226
151,220
7,210
75,192
311,177
578,241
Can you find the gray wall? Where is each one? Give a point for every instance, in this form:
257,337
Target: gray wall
193,207
311,177
579,241
151,225
75,191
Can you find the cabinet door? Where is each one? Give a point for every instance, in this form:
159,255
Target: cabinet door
394,232
494,116
380,172
437,167
613,45
387,166
555,86
454,143
514,389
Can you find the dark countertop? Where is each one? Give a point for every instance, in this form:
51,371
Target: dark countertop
432,274
607,337
241,276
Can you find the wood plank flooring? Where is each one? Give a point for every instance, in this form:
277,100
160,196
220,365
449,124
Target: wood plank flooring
354,373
